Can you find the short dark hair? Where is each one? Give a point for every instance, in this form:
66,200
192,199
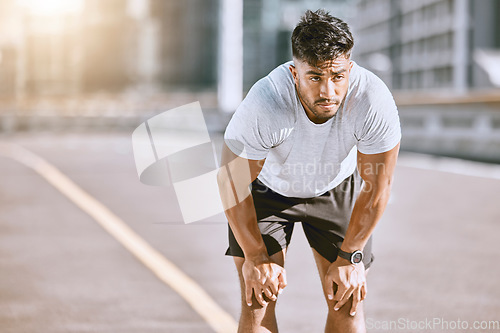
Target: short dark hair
320,36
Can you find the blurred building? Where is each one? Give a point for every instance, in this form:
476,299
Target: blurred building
188,42
39,54
8,48
115,45
167,44
51,56
108,46
261,21
65,53
105,35
427,44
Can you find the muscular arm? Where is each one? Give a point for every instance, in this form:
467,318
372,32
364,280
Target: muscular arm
234,178
377,171
261,275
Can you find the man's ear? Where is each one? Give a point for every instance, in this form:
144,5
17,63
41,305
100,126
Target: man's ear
294,72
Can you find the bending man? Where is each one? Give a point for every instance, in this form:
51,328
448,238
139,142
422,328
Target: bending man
317,139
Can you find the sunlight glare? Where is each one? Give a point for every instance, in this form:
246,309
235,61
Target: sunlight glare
51,7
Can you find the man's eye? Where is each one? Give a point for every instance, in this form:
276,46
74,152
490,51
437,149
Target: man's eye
315,78
339,77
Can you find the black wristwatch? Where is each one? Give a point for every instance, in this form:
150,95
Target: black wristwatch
355,257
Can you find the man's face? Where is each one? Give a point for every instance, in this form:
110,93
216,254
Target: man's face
322,88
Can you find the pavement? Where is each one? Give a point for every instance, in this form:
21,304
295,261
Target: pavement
436,248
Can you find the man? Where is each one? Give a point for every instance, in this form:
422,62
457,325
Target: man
318,140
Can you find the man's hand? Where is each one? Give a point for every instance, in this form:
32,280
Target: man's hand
265,278
350,280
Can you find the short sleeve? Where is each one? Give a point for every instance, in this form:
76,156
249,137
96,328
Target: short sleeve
248,133
380,130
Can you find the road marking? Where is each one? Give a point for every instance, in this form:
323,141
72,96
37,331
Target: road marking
449,165
165,270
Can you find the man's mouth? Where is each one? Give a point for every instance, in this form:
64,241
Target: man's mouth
326,102
327,105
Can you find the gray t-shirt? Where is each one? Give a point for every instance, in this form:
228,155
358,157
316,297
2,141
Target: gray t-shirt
304,159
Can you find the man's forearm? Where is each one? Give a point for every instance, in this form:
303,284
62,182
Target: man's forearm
377,171
243,222
366,213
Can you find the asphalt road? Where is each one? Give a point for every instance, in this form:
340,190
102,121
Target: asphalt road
437,249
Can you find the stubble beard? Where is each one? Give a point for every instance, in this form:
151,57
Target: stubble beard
318,115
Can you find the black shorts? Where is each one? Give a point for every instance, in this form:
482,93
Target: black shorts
324,219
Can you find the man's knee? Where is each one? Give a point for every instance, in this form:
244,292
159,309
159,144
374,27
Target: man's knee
258,318
257,307
343,315
331,306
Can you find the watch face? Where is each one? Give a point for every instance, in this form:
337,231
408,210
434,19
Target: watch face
357,257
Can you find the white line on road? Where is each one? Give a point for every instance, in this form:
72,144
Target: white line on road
165,270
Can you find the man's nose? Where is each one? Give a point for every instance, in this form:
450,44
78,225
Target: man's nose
328,90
